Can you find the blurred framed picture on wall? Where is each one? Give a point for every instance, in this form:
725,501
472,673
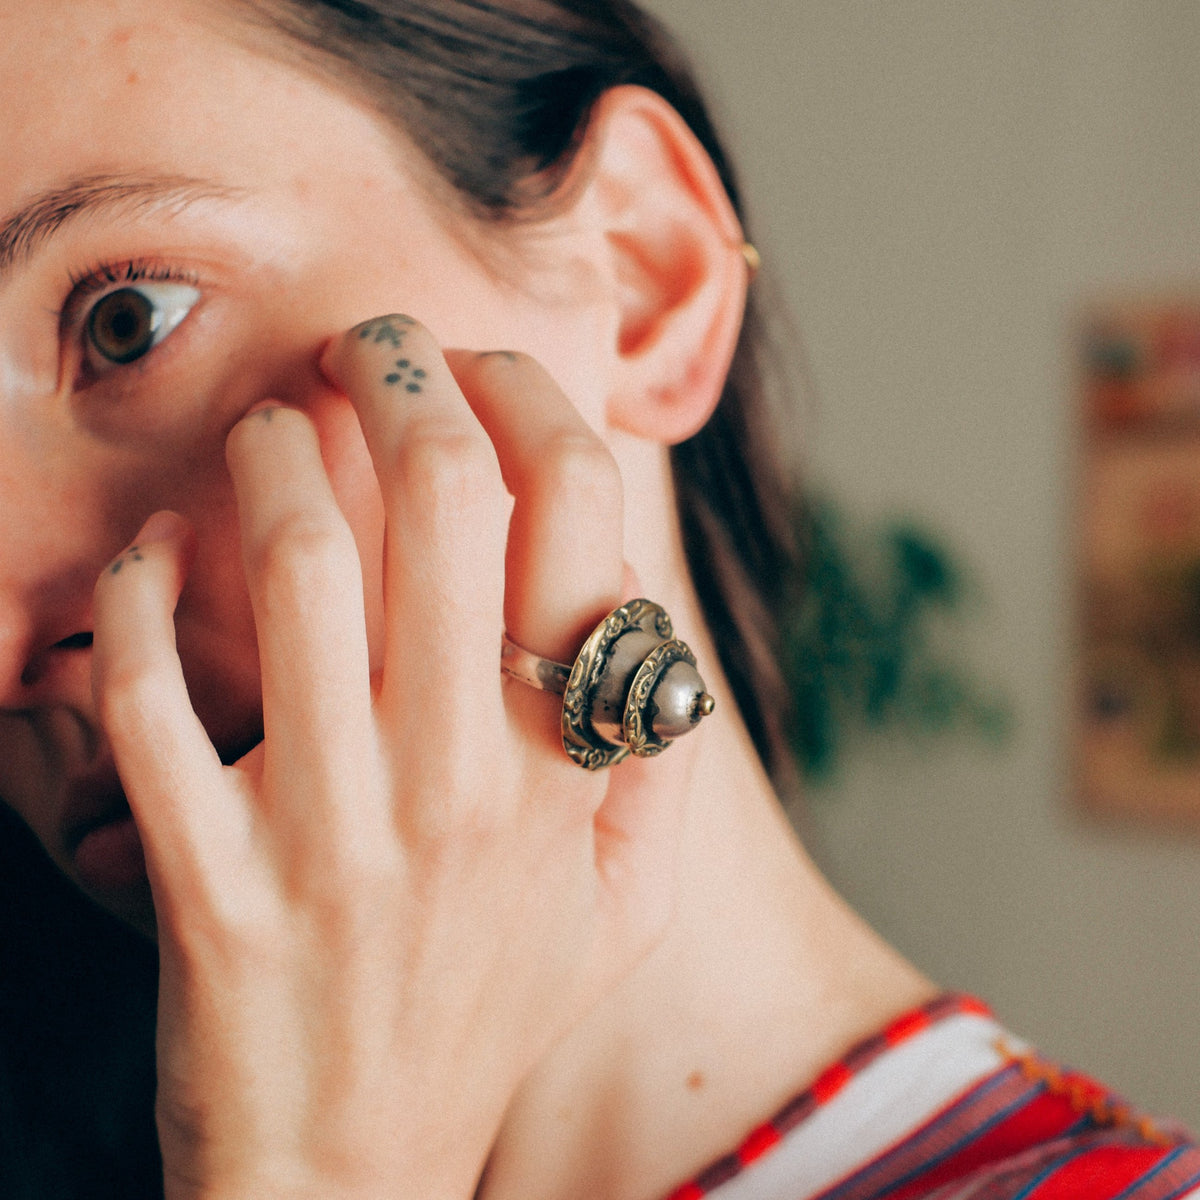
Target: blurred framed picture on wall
1137,704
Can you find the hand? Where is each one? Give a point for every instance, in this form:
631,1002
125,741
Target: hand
375,924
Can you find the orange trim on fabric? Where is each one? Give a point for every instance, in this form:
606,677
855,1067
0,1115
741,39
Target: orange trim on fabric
1085,1097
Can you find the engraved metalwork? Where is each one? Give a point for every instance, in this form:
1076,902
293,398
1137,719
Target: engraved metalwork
633,687
638,725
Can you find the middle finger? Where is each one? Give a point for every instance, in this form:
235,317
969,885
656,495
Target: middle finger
446,512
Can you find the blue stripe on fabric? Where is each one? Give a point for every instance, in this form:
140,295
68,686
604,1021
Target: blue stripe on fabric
950,1116
1183,1189
1083,1125
1052,1169
1145,1179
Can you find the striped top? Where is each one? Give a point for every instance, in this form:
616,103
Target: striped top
943,1104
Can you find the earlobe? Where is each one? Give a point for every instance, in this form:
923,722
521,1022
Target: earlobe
672,246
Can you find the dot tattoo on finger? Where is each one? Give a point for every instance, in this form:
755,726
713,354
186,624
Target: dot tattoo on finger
405,373
390,330
133,554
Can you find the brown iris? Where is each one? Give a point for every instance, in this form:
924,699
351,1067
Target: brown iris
122,325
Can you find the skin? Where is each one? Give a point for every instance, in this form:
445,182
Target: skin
305,518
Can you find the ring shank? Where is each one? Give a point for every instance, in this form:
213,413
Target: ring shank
529,668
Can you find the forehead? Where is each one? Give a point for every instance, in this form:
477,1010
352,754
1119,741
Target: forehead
103,87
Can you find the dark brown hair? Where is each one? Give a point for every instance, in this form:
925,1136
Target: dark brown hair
497,94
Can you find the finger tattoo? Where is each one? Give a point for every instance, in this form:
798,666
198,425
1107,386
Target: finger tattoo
391,330
406,374
133,554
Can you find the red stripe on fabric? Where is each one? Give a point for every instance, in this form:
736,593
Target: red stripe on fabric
689,1191
906,1026
760,1142
973,1006
828,1084
1042,1119
1099,1174
831,1082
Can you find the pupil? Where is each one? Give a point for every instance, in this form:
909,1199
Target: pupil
122,326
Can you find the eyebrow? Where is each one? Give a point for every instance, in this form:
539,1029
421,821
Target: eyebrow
37,220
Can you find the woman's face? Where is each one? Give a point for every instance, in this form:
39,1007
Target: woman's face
184,222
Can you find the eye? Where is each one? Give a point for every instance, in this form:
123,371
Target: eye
126,324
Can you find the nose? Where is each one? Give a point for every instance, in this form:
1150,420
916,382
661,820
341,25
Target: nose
45,637
56,530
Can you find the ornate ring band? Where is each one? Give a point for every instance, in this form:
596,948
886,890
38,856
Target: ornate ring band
632,689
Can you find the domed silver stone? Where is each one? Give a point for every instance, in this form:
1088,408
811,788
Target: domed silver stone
678,701
633,687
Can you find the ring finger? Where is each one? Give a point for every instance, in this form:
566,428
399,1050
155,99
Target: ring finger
565,546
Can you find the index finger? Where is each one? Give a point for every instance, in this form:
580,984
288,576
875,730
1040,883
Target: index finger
169,769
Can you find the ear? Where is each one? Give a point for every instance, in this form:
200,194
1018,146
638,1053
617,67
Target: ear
672,263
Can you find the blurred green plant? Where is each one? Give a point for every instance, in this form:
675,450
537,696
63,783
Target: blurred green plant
859,649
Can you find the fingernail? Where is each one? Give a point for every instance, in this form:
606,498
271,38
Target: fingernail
388,332
164,526
267,408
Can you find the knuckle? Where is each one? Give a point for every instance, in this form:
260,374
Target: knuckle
246,926
129,694
470,816
448,467
453,836
300,548
360,867
341,879
579,464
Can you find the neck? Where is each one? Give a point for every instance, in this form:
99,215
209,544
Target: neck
762,980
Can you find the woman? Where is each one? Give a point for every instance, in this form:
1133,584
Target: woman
407,946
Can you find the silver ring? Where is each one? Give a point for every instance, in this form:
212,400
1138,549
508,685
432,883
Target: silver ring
632,689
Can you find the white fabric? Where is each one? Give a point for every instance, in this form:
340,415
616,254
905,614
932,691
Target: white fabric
880,1106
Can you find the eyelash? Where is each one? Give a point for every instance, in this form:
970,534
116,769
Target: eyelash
97,280
92,284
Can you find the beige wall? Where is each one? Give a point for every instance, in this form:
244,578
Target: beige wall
937,183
